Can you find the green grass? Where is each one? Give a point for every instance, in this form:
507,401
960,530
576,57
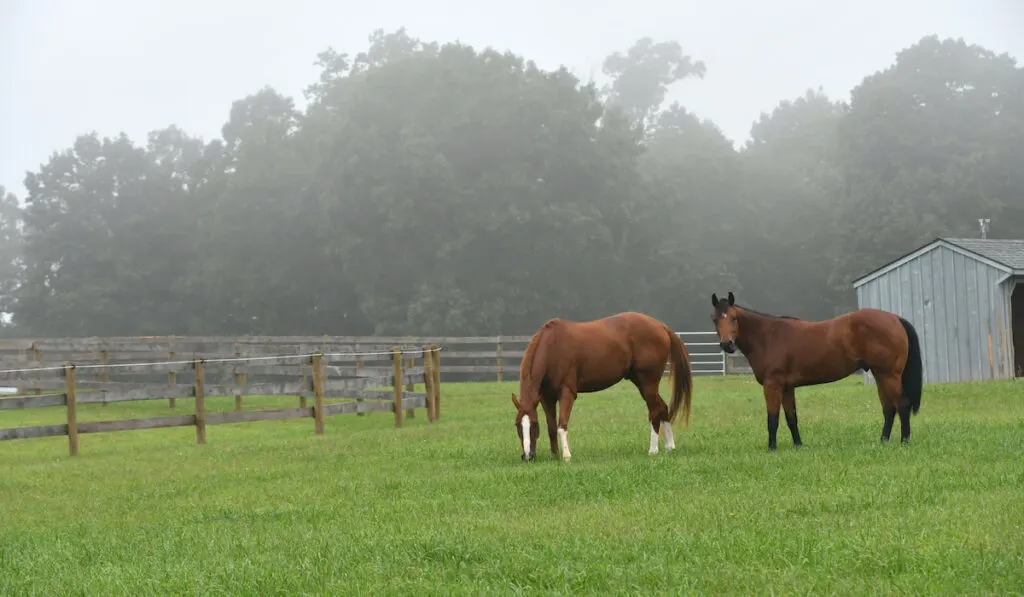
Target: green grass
268,508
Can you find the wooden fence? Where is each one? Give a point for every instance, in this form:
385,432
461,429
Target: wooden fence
169,367
119,375
494,358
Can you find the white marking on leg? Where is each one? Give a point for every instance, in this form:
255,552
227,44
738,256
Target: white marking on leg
654,441
670,440
563,435
524,424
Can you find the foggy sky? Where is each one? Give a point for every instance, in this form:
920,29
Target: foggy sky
72,67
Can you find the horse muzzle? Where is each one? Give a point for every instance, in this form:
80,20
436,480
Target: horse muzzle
531,457
729,346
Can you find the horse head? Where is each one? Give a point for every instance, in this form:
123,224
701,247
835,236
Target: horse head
725,319
527,427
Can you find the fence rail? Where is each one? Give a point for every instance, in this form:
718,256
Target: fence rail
59,386
475,358
350,368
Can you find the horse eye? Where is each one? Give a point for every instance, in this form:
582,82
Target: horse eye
734,319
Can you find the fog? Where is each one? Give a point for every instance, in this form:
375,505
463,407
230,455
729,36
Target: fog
254,190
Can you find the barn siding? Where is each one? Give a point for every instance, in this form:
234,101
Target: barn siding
955,302
1005,314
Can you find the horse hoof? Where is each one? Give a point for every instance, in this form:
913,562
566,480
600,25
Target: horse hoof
771,448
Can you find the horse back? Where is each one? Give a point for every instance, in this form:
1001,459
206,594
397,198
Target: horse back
810,352
875,333
597,354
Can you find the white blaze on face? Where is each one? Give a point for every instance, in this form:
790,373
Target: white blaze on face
563,435
524,424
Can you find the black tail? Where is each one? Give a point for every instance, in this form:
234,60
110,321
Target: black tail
913,372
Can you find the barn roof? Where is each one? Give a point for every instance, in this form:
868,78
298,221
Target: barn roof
1008,252
1003,254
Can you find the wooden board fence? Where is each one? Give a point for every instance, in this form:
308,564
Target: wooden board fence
472,358
311,374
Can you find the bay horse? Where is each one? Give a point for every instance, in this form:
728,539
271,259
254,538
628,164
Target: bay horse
786,353
565,358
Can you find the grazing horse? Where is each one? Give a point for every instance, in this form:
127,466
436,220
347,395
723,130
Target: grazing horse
565,358
786,353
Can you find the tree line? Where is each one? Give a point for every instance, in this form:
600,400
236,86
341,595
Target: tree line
434,188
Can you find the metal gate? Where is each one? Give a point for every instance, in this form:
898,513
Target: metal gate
706,356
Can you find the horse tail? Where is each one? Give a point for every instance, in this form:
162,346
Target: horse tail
682,379
913,372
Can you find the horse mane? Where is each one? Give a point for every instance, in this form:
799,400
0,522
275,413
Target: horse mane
762,314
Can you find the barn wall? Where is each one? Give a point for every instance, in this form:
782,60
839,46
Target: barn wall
1015,289
957,305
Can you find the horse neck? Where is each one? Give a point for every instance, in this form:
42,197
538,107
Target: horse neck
754,331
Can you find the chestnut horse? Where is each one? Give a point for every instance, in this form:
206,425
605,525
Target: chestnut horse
565,358
786,353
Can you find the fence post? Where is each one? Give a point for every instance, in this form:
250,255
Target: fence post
238,383
38,356
436,355
172,377
72,408
105,376
410,363
318,393
200,393
96,378
500,363
359,369
428,381
396,363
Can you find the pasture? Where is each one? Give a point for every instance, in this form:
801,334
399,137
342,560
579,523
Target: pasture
268,508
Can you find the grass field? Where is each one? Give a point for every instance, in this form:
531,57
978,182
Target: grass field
270,509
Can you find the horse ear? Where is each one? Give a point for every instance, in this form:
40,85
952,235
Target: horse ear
714,299
732,299
514,401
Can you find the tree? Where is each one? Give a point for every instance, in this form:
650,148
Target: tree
926,151
695,177
466,188
11,246
109,238
262,239
440,189
641,77
793,186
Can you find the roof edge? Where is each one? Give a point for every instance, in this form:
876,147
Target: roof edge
927,248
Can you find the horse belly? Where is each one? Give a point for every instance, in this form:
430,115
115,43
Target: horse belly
821,369
595,378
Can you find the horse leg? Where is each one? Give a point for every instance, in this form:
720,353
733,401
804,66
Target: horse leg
789,405
565,403
904,410
657,415
549,410
889,395
772,402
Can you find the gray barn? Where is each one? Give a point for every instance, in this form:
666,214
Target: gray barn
965,296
